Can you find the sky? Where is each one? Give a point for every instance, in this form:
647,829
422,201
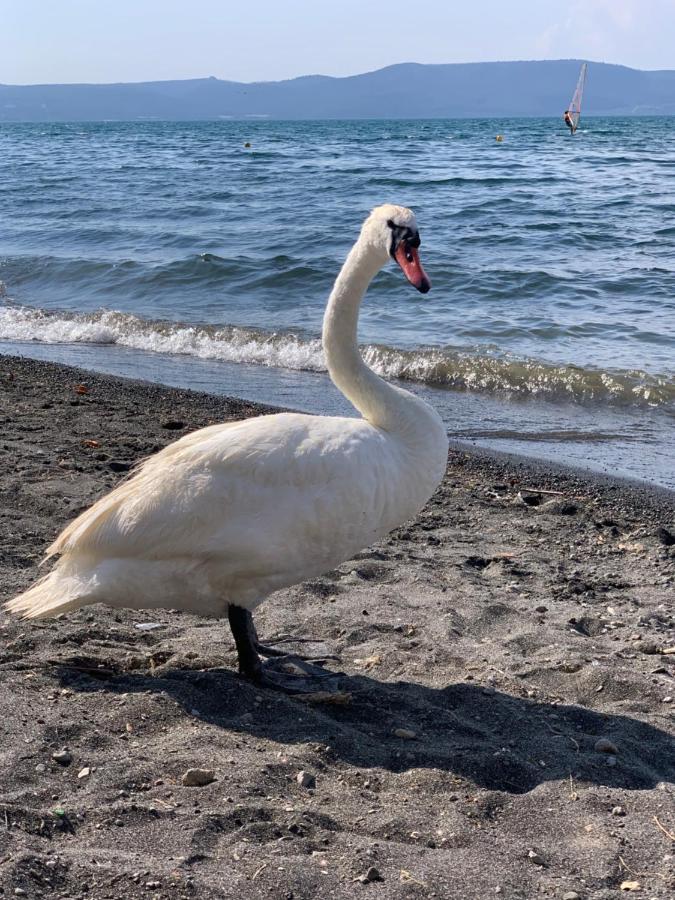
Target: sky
260,40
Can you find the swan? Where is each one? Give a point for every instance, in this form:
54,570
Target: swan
223,517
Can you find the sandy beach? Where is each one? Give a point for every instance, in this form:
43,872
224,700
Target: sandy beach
506,727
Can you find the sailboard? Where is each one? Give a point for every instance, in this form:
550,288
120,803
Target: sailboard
574,109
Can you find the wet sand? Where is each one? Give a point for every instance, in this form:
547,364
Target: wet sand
492,648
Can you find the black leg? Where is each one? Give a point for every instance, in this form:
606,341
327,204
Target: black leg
290,674
245,638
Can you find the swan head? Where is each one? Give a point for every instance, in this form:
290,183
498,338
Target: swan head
391,232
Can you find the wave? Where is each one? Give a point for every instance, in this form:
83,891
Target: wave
441,367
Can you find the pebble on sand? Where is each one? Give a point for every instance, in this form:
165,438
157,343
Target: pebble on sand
84,773
198,777
306,779
604,745
63,757
570,895
630,885
405,733
372,874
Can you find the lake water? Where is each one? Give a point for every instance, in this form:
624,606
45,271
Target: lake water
172,251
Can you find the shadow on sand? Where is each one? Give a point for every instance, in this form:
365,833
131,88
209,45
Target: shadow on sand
498,741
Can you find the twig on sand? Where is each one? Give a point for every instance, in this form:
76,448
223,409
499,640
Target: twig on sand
408,878
664,829
543,491
258,871
337,698
573,794
625,865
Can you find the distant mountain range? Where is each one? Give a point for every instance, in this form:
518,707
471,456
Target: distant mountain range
408,90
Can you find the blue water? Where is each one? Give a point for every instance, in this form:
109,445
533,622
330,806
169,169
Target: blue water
172,251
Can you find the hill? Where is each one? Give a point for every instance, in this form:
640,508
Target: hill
407,90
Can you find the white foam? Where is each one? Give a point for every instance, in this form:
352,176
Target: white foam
19,323
442,367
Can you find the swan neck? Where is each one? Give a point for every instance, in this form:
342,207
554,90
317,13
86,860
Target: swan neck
377,401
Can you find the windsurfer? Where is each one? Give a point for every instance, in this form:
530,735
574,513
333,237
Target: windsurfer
569,121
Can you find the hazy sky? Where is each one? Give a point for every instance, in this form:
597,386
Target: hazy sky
249,40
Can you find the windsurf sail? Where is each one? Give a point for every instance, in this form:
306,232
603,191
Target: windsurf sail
574,109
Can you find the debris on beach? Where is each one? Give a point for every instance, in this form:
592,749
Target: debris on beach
198,777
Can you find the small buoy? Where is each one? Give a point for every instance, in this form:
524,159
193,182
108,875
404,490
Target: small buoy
247,145
499,138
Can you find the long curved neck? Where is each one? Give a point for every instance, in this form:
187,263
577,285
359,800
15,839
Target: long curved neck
380,403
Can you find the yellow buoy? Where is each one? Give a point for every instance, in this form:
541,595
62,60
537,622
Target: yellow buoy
499,138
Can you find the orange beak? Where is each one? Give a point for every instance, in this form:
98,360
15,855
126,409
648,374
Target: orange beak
408,259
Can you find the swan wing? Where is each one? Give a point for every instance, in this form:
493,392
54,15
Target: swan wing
255,493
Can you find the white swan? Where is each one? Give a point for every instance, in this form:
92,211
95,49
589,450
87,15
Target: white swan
221,518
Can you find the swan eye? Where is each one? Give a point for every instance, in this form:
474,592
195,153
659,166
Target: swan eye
402,234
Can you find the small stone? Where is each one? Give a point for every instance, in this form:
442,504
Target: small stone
62,757
371,875
19,892
566,509
618,811
611,761
84,773
306,779
570,895
116,465
667,699
535,858
198,777
541,609
173,425
405,733
40,768
526,499
604,745
630,885
153,884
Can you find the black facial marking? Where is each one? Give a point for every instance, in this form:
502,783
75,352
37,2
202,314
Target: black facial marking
403,233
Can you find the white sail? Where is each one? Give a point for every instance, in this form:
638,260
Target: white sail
574,108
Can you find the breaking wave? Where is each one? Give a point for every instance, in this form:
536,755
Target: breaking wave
442,367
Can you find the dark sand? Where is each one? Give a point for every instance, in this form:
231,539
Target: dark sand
506,637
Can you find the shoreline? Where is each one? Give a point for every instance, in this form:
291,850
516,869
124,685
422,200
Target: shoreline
490,647
594,470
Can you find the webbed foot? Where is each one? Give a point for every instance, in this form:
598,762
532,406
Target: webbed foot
295,675
267,650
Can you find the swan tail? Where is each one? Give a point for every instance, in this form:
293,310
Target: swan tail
88,524
52,595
